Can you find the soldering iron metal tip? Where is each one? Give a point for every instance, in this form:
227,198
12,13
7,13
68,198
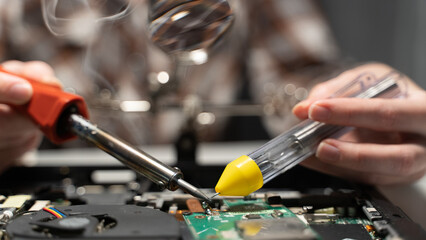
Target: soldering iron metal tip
214,195
187,187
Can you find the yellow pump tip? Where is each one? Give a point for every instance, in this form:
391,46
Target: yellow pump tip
240,178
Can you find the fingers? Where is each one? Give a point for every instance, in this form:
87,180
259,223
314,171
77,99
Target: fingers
15,130
18,135
16,90
10,154
328,88
393,160
404,115
320,91
36,70
12,123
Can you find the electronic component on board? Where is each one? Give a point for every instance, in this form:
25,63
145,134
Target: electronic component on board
283,228
15,201
39,205
194,205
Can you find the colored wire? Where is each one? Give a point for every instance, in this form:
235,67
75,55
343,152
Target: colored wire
54,212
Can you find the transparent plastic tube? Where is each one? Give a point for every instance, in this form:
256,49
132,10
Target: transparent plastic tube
301,141
249,172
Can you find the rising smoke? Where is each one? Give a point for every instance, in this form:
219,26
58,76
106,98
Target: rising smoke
99,29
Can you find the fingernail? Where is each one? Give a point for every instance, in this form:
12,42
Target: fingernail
20,92
327,152
300,104
300,109
319,113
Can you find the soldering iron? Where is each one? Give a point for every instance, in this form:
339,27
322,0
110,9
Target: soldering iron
62,116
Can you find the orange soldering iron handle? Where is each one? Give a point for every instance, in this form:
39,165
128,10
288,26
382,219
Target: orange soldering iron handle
47,108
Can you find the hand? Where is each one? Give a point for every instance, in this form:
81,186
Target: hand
388,145
17,133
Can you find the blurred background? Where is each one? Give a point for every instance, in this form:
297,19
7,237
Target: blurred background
181,72
393,32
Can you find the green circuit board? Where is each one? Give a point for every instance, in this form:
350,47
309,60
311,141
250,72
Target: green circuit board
231,224
255,219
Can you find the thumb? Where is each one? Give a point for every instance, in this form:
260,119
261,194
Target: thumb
14,90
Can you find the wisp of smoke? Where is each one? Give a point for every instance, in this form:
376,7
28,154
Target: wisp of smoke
80,19
80,22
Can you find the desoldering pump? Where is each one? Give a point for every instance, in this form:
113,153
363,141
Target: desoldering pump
249,172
